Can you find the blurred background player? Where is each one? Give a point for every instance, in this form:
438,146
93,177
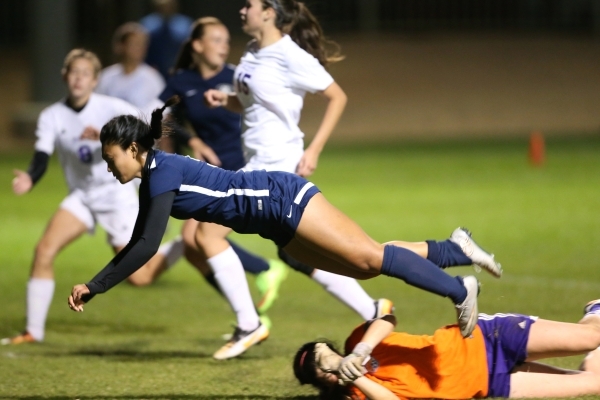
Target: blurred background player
131,79
498,361
168,29
71,127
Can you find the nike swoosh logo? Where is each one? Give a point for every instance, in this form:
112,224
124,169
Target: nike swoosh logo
290,214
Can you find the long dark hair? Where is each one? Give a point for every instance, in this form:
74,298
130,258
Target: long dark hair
126,129
295,19
185,59
305,370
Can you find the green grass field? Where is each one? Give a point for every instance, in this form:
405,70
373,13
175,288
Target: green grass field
152,343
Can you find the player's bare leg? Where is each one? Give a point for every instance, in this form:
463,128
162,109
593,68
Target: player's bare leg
326,230
62,229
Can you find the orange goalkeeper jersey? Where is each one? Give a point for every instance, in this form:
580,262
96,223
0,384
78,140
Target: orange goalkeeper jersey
442,366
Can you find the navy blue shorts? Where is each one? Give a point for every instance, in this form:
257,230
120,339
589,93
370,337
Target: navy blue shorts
288,196
506,337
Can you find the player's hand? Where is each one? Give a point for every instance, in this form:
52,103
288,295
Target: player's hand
22,182
351,367
215,98
326,359
308,163
204,152
75,299
90,133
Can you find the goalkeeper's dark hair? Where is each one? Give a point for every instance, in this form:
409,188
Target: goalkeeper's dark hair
305,370
126,129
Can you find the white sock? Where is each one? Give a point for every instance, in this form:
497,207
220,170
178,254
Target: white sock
348,291
230,276
172,251
39,297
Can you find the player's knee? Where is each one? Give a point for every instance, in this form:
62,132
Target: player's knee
45,252
593,341
189,239
369,262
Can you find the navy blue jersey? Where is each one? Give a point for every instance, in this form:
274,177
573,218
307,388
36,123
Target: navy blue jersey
268,203
218,127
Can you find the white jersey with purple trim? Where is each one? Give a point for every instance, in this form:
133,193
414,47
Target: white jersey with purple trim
271,83
59,128
140,87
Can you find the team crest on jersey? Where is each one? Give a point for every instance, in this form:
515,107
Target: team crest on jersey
372,365
85,154
225,88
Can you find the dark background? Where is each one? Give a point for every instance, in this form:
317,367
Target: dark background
413,67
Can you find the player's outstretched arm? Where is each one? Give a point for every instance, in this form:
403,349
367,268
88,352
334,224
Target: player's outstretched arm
147,235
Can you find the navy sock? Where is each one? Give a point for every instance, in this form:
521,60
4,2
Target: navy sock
251,263
421,273
446,254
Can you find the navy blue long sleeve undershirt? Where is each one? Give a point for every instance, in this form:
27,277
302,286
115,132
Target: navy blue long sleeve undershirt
147,234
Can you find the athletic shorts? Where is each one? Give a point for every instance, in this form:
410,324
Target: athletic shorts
288,163
505,337
289,195
113,206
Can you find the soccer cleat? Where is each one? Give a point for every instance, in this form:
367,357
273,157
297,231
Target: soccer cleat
269,282
22,338
241,341
478,256
383,307
467,310
592,307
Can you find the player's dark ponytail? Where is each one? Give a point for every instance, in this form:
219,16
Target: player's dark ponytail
126,129
185,59
295,19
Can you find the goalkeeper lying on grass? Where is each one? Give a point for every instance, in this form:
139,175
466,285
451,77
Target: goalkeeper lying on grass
496,361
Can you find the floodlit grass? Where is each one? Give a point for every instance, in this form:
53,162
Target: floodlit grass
156,342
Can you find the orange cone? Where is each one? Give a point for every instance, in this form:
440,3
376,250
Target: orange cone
537,149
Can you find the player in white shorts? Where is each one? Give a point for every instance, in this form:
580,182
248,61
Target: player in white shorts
71,127
270,82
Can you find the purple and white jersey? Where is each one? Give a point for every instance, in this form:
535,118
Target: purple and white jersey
271,83
59,128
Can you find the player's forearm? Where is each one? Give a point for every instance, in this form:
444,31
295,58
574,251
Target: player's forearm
144,243
233,104
335,108
37,167
132,258
379,330
373,390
